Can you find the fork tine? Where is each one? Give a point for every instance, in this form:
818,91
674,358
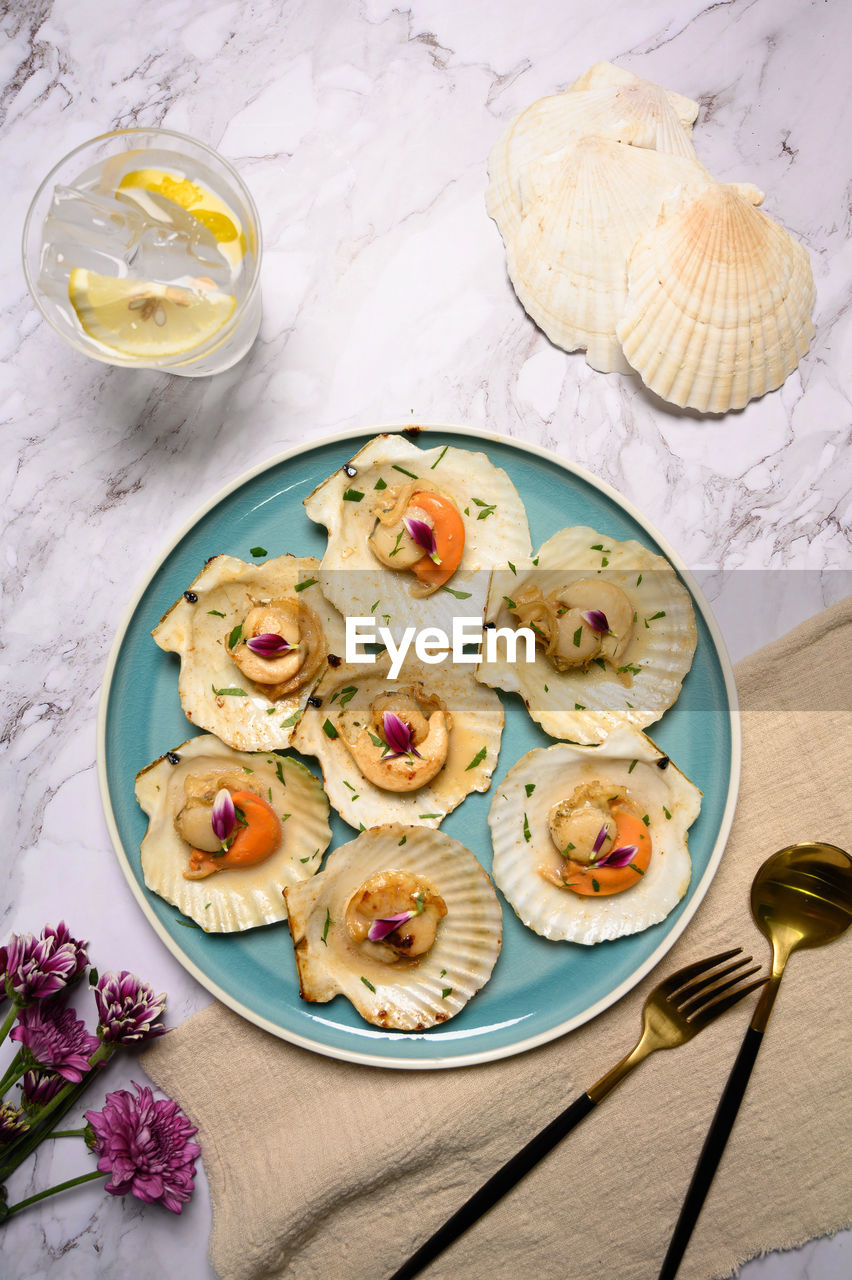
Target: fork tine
707,994
695,989
682,976
709,1012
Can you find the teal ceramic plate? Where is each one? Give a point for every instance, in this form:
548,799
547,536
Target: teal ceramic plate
539,989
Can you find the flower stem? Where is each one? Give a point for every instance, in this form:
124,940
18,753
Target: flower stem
13,1073
51,1191
68,1133
8,1022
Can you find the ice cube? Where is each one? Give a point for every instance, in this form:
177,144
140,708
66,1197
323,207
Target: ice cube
174,246
86,229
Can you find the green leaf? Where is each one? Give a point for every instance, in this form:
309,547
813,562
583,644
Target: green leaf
668,815
477,759
509,603
512,567
595,885
633,764
402,842
439,457
329,730
578,636
259,552
347,694
309,582
380,484
646,819
328,923
429,815
459,595
447,991
235,635
214,613
529,787
353,495
410,474
366,981
291,720
229,693
527,832
579,706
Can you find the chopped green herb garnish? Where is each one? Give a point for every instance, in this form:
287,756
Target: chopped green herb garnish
633,867
207,906
328,923
459,595
259,551
246,769
668,815
229,693
439,457
396,545
597,546
235,635
352,495
535,562
527,832
579,706
447,991
350,786
529,787
329,730
366,981
569,848
303,586
632,766
269,793
380,484
429,815
638,580
376,740
632,668
361,826
604,562
442,974
578,635
509,603
600,663
214,613
374,607
291,720
477,759
347,694
646,819
410,474
654,616
402,842
189,924
595,885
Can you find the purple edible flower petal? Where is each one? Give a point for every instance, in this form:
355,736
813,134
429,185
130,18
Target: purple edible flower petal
423,534
224,814
269,645
38,1088
57,1039
619,857
127,1009
145,1146
398,735
599,839
597,620
34,968
380,929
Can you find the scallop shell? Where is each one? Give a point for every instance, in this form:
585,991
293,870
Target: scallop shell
521,839
240,897
605,74
354,580
346,695
585,705
198,630
720,301
568,258
449,974
627,109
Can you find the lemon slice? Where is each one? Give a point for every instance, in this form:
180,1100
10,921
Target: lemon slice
142,319
196,200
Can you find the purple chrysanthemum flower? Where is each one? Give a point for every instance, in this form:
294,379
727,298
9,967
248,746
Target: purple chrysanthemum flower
38,1088
13,1122
127,1009
146,1147
57,1039
38,967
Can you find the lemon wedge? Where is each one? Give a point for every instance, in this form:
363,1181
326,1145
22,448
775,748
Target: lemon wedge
198,201
145,320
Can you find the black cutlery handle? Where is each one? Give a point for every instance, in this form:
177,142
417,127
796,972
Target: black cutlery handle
496,1187
711,1152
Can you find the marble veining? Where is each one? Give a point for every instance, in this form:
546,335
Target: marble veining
362,131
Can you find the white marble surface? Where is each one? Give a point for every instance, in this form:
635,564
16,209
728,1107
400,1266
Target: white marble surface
362,130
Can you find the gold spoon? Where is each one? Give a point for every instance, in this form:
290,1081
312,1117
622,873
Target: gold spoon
800,897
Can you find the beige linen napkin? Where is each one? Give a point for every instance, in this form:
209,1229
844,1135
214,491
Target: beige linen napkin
325,1169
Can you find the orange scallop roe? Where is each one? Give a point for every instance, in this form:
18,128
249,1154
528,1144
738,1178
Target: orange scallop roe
598,882
448,528
252,844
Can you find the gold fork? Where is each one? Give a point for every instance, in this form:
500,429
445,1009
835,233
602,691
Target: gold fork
675,1011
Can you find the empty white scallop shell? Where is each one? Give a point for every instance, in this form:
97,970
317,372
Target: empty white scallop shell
495,524
585,704
521,839
214,693
239,897
568,258
346,694
719,303
403,996
629,110
604,74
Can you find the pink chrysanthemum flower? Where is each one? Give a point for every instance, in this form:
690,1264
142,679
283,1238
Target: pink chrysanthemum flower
145,1146
33,968
127,1009
13,1122
57,1039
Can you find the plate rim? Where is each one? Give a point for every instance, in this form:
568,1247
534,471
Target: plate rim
530,1042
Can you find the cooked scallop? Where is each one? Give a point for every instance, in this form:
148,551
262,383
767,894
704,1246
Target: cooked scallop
402,921
183,859
253,639
560,827
373,566
590,674
448,748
